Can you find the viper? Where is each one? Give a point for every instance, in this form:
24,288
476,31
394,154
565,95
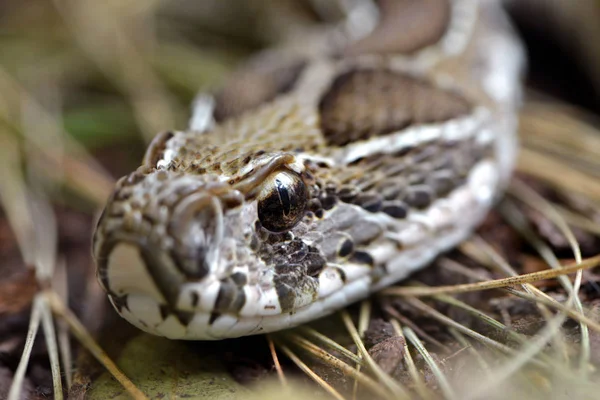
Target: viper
318,174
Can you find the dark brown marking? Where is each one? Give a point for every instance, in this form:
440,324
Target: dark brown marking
395,209
314,263
259,81
342,274
392,192
441,182
285,294
194,299
361,257
184,317
347,194
419,197
314,205
165,311
296,266
371,202
346,248
120,302
239,301
226,296
254,243
365,103
328,202
405,27
239,278
213,317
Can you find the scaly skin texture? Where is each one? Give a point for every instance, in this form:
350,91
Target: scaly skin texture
323,176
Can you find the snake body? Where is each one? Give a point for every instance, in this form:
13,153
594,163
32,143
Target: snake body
319,176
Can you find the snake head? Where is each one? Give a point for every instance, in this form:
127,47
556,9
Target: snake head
349,178
186,256
288,237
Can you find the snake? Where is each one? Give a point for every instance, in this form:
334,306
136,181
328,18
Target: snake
318,174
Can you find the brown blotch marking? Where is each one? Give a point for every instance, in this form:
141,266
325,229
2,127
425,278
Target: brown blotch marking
361,257
239,278
314,262
239,301
342,274
419,197
346,248
254,243
120,302
213,317
347,194
165,311
167,281
395,209
405,27
314,205
259,81
194,299
393,192
150,219
184,317
231,202
226,296
365,103
370,202
441,182
299,276
328,202
285,294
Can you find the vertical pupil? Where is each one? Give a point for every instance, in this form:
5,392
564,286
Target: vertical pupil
284,196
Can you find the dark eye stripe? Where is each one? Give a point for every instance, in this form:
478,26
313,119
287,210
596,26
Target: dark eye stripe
284,197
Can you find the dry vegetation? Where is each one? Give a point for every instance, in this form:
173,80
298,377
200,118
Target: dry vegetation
513,312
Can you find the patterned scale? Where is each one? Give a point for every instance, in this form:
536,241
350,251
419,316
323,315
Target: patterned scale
327,170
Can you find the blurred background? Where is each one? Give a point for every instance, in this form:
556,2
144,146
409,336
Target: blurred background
119,72
84,85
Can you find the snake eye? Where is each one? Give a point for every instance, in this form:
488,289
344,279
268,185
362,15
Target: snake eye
282,203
